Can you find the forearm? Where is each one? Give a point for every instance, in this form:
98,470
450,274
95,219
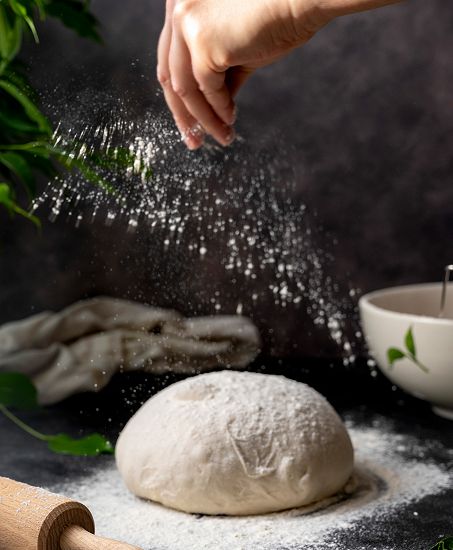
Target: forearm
322,11
336,8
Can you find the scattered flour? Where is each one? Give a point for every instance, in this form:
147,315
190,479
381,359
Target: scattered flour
385,482
231,211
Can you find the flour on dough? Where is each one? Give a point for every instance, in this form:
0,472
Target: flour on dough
235,443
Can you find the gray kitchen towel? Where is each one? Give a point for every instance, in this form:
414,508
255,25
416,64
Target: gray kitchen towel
82,347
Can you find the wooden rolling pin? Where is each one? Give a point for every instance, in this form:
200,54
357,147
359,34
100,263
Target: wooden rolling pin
34,519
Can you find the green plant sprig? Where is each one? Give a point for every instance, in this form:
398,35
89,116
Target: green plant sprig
444,544
17,390
410,352
27,145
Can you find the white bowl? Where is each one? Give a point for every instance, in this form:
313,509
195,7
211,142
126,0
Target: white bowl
405,319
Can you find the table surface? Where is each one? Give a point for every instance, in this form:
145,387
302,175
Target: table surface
353,392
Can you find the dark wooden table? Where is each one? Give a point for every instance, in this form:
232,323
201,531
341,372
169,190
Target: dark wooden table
352,391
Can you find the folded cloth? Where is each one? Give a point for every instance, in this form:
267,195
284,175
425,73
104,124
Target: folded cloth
80,348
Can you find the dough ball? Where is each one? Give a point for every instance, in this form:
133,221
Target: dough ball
235,443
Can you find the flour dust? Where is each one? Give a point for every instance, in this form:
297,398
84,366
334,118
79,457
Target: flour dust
234,204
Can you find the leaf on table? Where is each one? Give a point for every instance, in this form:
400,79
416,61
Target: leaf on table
394,354
409,342
76,16
17,390
444,544
91,445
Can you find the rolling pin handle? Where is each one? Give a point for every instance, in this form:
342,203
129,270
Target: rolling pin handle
76,538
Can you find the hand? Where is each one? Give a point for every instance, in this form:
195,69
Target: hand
208,49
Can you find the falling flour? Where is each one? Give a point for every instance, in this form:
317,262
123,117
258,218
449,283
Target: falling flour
232,209
385,482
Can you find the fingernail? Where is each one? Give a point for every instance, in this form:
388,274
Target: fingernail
193,137
193,143
234,115
230,118
229,136
197,131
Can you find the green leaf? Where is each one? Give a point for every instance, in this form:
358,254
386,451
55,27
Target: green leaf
4,31
76,16
92,445
19,166
410,343
6,197
39,4
87,172
112,159
21,11
10,35
15,73
17,390
394,354
29,107
8,201
40,148
16,123
444,544
93,177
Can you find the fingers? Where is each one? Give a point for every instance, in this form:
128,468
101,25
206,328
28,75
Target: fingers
198,97
187,89
186,123
212,86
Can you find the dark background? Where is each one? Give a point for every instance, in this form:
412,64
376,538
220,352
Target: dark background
364,114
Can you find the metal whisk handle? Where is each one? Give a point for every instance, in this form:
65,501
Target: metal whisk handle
443,299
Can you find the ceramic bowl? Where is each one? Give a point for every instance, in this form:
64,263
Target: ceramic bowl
412,346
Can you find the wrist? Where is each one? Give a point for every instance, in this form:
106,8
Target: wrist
310,15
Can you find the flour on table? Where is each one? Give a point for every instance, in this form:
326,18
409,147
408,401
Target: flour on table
387,483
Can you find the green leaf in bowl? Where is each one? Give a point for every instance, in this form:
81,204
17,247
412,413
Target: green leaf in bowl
410,343
394,354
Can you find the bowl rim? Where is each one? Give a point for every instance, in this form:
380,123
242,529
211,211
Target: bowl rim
365,302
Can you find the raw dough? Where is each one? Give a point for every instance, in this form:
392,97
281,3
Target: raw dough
235,443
